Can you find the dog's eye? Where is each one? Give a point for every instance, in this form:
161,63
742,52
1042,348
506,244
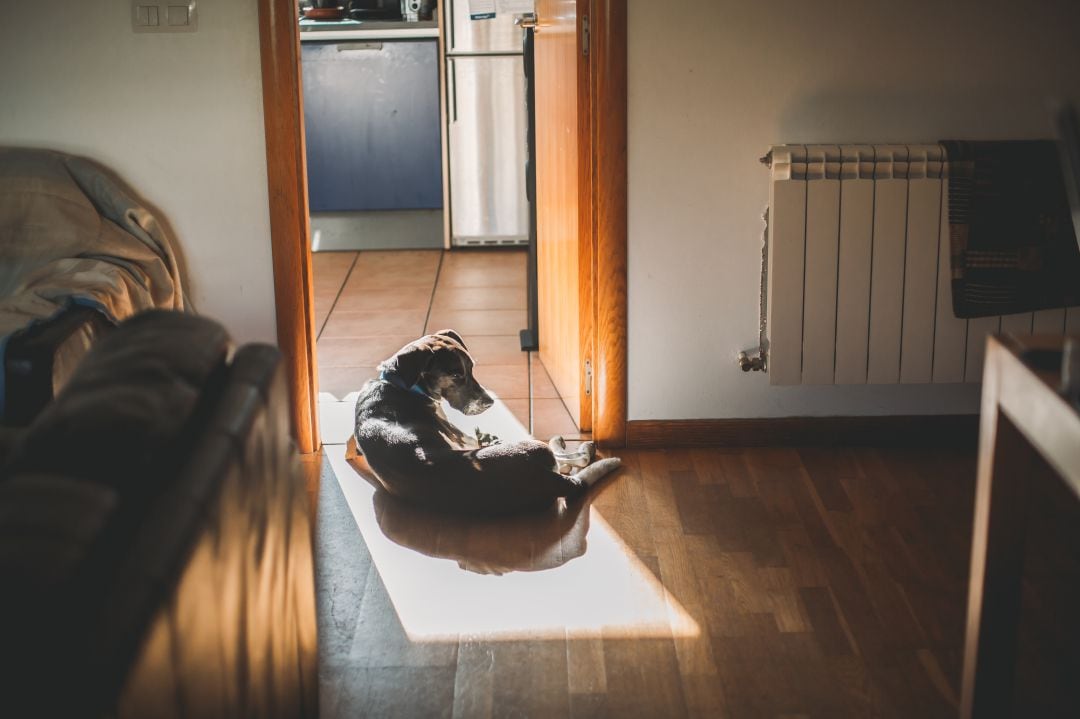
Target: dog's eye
457,375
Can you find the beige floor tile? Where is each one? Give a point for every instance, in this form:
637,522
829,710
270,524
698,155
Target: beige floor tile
359,352
329,261
321,315
368,324
324,303
495,349
383,298
506,381
470,323
520,409
481,277
542,386
407,268
407,259
325,297
343,381
501,259
329,270
479,298
382,305
551,418
415,278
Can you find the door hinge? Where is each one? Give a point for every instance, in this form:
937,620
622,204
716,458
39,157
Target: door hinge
588,377
584,34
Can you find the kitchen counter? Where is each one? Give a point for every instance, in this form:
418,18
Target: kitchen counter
366,30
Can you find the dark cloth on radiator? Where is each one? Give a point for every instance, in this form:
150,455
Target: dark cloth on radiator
1013,245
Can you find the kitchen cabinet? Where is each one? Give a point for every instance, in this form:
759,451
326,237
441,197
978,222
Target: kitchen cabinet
371,116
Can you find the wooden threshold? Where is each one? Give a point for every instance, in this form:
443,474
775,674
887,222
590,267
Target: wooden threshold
882,431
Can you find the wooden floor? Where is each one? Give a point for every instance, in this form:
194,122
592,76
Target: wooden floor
370,304
806,582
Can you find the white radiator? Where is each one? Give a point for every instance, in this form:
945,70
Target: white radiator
858,271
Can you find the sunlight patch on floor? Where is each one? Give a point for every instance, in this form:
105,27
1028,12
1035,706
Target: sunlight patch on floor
603,588
329,397
336,419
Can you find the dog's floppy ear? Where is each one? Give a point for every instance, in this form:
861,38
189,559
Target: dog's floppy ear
409,362
454,336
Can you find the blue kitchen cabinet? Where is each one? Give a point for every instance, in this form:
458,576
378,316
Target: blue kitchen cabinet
371,117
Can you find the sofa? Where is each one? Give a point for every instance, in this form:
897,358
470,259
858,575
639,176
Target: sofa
155,540
79,252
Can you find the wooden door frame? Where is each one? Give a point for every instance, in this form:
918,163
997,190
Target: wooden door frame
604,284
286,178
604,333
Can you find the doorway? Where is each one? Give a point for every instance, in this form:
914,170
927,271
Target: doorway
369,304
296,272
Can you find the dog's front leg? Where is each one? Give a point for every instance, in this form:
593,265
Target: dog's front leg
461,441
454,436
483,439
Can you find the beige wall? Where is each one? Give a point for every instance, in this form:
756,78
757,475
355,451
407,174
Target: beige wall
714,83
179,116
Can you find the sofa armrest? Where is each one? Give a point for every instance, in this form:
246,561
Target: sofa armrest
234,634
155,544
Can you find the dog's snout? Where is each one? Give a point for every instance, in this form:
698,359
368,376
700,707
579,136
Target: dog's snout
479,403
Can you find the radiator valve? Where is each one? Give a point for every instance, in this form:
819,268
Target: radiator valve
748,363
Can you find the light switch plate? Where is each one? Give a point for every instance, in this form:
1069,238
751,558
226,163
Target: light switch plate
164,16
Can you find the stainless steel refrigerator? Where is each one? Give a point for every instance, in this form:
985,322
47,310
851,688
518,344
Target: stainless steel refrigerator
485,84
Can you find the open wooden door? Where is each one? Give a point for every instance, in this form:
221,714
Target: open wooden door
563,201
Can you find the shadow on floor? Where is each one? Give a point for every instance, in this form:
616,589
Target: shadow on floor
527,543
531,542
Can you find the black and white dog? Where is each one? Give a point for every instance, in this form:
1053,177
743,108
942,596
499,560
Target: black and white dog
418,455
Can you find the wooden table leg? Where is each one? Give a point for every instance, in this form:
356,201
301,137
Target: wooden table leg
1007,464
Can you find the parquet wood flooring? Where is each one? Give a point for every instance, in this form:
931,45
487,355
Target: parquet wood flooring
817,582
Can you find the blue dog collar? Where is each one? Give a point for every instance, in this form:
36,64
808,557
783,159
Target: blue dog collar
396,381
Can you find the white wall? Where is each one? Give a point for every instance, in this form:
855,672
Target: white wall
712,84
178,116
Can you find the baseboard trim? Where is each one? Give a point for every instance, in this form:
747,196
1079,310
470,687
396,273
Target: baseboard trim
913,430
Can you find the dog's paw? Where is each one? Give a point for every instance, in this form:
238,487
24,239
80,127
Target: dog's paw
483,439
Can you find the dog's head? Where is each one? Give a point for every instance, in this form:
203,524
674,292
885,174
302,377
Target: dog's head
440,365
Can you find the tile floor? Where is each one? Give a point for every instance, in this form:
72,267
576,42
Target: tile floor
370,304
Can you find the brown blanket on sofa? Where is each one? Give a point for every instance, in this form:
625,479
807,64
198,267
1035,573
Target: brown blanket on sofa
69,232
